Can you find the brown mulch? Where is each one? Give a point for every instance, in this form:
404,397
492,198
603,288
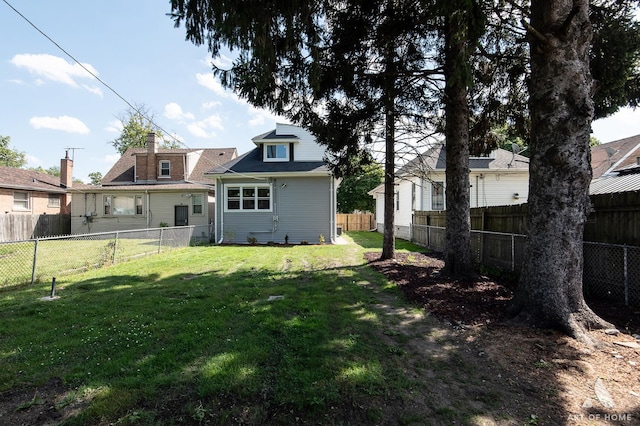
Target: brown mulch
541,372
476,301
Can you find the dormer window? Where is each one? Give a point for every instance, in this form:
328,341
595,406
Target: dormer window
165,170
276,152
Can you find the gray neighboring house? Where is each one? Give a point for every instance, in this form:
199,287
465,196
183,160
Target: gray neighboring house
281,191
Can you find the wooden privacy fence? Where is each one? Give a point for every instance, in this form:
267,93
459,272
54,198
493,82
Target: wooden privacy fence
356,222
614,219
17,227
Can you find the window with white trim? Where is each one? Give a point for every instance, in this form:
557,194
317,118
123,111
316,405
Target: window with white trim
437,196
248,198
413,196
196,203
54,200
21,201
122,205
276,152
165,168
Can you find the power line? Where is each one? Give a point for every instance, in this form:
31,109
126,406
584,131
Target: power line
137,110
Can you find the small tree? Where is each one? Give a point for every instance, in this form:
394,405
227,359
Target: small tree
96,178
353,190
10,157
136,123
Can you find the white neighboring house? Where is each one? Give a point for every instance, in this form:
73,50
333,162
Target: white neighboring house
501,178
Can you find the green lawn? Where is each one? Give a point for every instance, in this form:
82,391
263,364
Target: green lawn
190,336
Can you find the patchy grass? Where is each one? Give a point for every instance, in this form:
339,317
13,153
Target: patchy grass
194,331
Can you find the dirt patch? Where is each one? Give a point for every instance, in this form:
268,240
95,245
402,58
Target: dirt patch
525,376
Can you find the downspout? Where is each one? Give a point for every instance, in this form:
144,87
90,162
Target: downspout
275,217
334,206
146,192
184,167
220,206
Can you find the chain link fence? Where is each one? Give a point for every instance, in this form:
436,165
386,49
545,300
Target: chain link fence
41,259
610,271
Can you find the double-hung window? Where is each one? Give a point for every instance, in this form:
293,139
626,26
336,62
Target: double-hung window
248,198
276,152
21,201
54,200
196,203
165,168
437,196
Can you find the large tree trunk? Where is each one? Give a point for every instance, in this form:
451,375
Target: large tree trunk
549,294
388,239
458,223
389,236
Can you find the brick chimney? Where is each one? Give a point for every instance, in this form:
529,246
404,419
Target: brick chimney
66,181
152,149
66,171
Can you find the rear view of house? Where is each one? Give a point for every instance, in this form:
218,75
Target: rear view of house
501,178
149,188
280,192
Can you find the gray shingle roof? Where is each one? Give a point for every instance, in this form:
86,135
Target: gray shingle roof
435,159
252,163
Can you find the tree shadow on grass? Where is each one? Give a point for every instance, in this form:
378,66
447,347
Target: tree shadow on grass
336,346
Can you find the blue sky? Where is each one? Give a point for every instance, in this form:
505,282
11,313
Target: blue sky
49,103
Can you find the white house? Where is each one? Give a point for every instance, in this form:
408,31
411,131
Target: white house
501,178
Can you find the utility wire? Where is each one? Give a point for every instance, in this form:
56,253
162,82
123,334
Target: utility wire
137,110
86,69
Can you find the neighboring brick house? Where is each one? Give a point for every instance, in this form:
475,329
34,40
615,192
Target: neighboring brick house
151,187
26,192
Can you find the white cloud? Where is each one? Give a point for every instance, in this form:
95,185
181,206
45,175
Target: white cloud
33,161
111,159
114,126
54,68
223,62
210,105
214,85
173,111
623,124
63,123
93,89
206,128
261,116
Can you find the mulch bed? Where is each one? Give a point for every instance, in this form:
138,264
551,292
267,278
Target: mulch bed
479,300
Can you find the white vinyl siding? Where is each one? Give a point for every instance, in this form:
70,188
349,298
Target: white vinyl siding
306,147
